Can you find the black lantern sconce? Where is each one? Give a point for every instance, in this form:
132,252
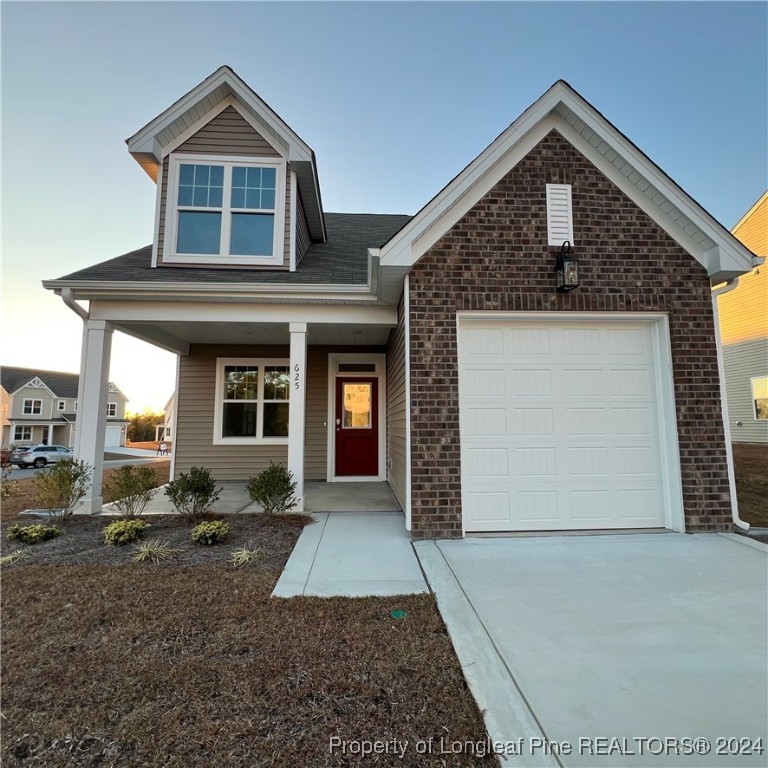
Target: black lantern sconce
567,269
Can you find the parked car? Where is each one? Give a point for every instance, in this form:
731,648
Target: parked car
40,455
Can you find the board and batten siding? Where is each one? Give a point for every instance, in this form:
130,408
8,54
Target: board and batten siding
303,238
396,410
229,133
196,406
742,362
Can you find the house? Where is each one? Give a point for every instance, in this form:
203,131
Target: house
434,351
164,431
744,334
42,407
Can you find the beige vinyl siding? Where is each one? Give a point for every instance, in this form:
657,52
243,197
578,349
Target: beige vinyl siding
196,405
396,411
744,310
33,393
229,133
316,430
742,363
303,238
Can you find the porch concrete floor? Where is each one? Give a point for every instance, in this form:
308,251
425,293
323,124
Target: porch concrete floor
318,497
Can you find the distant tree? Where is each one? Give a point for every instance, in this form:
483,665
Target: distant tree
141,426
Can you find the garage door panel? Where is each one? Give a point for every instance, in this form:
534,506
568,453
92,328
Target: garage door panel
559,436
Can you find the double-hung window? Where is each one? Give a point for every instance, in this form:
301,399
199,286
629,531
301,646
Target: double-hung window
22,433
111,409
32,407
252,401
229,209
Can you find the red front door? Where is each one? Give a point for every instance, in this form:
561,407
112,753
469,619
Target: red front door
357,427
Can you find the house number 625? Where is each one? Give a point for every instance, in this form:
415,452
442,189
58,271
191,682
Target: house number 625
296,376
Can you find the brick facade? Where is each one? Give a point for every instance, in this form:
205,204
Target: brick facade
496,258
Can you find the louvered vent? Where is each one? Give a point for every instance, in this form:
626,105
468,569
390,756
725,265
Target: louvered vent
559,218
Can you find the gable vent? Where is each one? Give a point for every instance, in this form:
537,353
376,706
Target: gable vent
559,217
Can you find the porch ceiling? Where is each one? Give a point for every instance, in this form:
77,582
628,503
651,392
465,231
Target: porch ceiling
176,336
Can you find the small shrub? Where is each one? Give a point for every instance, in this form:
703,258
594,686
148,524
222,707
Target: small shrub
63,486
7,489
193,495
273,489
247,555
210,533
32,534
14,557
124,532
155,551
131,489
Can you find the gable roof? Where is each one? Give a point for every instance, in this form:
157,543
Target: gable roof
60,384
752,227
341,261
562,109
196,108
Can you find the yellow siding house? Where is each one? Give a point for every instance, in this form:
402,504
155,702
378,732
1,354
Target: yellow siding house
744,333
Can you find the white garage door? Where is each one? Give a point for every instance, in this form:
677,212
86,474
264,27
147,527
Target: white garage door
559,425
112,437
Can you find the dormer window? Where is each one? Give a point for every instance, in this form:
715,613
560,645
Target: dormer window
225,210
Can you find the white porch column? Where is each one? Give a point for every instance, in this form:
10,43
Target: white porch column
92,409
50,434
297,410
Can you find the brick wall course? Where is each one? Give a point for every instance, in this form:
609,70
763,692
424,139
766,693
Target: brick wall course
496,258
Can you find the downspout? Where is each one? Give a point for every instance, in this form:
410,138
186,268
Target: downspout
66,295
716,293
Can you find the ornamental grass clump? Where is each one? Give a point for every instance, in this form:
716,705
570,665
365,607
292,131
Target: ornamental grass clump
273,489
194,494
247,555
210,532
155,551
124,532
131,489
61,488
32,534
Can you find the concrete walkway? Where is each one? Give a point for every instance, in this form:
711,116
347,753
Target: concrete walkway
575,639
352,554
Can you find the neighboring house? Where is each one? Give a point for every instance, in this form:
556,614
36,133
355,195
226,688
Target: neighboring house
432,351
744,334
42,407
164,431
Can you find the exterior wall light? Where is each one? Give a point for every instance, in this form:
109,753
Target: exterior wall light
567,269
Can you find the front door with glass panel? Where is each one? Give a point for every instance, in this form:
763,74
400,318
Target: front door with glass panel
356,425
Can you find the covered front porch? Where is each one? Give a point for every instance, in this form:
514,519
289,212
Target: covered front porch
319,497
261,383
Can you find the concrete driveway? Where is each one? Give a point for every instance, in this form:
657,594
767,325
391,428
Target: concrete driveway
610,644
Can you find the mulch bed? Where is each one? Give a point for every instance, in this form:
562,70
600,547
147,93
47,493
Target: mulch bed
111,663
82,540
751,465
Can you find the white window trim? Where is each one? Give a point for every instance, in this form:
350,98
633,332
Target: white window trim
262,363
754,399
61,405
111,409
278,243
32,401
22,427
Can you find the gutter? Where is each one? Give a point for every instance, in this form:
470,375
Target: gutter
716,293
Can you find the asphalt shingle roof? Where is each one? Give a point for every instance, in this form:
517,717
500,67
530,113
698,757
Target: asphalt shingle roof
61,384
341,260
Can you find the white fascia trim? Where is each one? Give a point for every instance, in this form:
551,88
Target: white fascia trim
677,196
314,314
212,291
143,140
229,101
392,252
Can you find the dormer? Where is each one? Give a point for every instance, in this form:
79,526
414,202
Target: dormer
236,187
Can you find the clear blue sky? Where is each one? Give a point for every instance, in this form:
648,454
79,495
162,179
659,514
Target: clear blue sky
395,99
